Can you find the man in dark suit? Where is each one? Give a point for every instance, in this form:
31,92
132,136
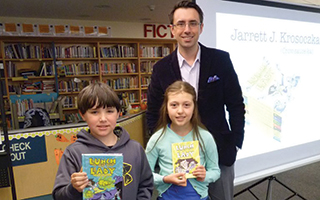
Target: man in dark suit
211,73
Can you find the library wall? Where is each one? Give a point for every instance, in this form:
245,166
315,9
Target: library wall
49,72
37,179
118,29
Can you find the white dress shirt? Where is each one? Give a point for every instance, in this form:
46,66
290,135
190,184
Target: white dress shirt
189,73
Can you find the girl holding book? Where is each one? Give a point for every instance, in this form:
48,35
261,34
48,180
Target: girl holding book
179,123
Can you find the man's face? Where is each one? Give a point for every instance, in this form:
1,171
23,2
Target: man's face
188,36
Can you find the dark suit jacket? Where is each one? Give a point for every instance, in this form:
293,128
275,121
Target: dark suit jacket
213,96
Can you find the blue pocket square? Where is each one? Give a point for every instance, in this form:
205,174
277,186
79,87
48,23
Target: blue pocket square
213,79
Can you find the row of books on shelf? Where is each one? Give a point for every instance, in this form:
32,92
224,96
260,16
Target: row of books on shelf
39,51
117,68
144,96
29,87
28,51
69,102
145,81
154,52
117,51
45,69
147,66
123,83
23,105
74,85
44,86
79,51
73,118
82,68
133,98
127,98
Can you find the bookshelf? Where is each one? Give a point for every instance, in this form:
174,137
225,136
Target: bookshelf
3,86
38,65
28,70
119,69
149,54
77,66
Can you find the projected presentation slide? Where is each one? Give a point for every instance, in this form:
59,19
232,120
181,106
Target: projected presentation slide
278,65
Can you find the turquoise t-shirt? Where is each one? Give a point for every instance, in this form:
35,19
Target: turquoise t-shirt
162,153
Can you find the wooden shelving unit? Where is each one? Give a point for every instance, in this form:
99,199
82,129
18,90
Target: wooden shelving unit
67,65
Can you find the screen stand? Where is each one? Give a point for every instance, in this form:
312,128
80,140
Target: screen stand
270,179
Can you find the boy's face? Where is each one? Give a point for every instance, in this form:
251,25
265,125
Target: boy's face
188,36
101,122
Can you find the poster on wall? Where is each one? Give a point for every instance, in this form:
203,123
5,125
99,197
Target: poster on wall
90,30
76,30
104,30
11,29
29,150
45,29
28,29
61,30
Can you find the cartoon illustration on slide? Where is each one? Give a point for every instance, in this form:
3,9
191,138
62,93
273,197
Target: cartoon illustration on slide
268,92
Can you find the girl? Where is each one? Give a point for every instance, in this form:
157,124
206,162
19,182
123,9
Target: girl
179,122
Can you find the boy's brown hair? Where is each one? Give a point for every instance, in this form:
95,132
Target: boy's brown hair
99,95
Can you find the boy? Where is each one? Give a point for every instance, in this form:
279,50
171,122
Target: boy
99,106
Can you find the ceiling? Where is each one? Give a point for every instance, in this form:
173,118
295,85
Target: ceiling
144,11
101,10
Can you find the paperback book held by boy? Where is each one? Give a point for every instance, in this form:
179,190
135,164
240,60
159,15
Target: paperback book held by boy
104,172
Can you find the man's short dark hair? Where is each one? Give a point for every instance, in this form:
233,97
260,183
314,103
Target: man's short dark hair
186,4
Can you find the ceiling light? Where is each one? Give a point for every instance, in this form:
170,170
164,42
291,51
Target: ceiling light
152,7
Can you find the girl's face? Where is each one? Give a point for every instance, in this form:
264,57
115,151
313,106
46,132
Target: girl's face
101,122
180,109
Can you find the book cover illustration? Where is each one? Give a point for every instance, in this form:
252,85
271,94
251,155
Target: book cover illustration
185,157
105,174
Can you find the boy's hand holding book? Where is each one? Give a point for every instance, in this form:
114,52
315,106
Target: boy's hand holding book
176,178
200,173
79,180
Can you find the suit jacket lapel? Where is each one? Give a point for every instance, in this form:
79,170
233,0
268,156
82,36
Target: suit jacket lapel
205,61
175,65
